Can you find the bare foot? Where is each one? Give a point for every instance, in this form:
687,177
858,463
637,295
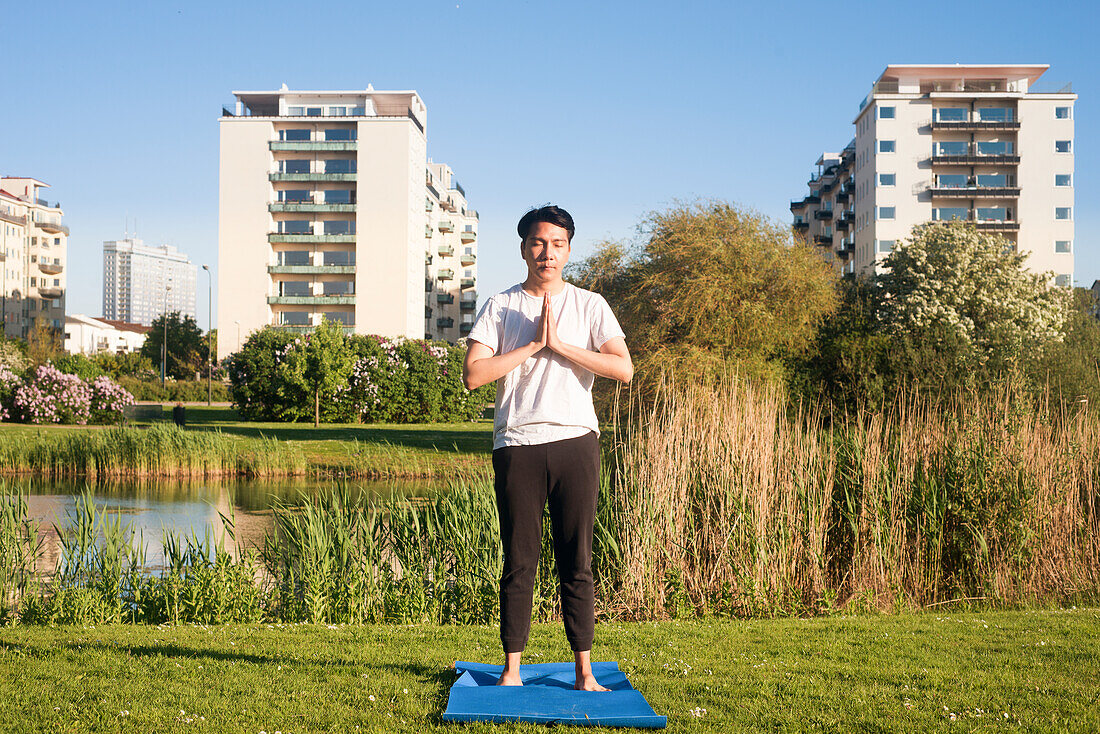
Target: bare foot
588,683
510,678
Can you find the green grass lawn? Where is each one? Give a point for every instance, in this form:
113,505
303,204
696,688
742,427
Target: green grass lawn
414,450
994,671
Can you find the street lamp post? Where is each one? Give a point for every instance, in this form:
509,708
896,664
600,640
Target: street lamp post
209,334
238,323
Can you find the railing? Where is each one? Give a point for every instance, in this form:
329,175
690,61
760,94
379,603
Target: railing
446,323
457,187
312,176
823,239
467,282
446,226
823,214
299,237
974,192
312,145
13,218
975,125
467,235
347,299
311,269
467,259
446,250
445,274
466,328
51,268
445,298
308,206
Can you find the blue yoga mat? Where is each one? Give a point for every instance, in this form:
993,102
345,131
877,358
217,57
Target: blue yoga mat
547,697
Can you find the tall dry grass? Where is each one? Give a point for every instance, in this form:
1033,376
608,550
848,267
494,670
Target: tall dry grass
729,500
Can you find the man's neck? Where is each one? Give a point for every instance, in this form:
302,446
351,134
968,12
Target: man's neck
540,288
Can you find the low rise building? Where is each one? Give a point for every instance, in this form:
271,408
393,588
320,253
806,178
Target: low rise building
87,335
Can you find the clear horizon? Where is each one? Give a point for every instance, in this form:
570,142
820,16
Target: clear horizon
610,111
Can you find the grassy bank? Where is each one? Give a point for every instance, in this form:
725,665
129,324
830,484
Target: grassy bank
215,443
999,671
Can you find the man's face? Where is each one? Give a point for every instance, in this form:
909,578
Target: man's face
546,251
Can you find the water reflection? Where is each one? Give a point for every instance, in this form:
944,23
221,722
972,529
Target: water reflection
154,507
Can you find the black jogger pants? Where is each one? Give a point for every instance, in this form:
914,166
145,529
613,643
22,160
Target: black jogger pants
567,474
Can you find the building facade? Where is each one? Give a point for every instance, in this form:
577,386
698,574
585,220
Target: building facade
141,282
86,335
976,143
33,252
329,208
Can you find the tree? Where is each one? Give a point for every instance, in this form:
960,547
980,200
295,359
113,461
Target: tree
966,297
186,345
254,377
43,343
318,363
712,285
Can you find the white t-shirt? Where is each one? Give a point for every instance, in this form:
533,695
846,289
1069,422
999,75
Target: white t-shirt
547,397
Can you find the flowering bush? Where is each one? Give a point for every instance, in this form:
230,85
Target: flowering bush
49,395
394,380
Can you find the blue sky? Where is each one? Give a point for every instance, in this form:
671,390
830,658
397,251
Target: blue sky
609,109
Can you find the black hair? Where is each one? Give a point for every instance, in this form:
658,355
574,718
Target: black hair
549,213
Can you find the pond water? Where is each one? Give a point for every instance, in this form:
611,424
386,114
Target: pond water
153,508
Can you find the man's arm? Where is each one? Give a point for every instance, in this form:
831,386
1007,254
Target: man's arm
481,367
613,359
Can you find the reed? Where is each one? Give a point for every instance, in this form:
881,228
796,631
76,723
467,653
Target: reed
729,500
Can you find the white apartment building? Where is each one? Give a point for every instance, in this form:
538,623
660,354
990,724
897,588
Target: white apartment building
33,247
329,207
141,282
977,143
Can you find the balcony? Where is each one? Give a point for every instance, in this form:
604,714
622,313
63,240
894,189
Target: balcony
467,259
975,125
447,298
296,329
446,226
346,300
798,204
310,238
446,323
12,218
973,158
313,145
467,235
997,226
823,214
824,240
975,192
289,207
428,231
51,268
311,269
467,305
445,251
801,225
465,328
842,197
53,227
467,282
311,177
445,275
50,292
843,224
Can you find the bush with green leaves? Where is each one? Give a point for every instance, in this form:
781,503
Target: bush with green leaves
392,380
79,365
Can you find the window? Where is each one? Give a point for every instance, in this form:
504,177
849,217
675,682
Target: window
950,114
313,111
347,318
57,240
343,133
886,179
992,214
337,111
886,212
339,196
886,146
950,213
1062,113
340,227
952,181
885,246
1063,246
294,257
296,226
296,166
340,165
34,282
339,257
886,113
952,147
991,180
294,318
995,114
1063,212
295,288
295,195
339,287
294,135
1063,179
993,147
1063,280
295,111
1063,146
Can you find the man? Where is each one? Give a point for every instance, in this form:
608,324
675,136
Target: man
543,342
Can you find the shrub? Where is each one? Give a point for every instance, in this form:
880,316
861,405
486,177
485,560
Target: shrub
52,396
79,365
174,391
